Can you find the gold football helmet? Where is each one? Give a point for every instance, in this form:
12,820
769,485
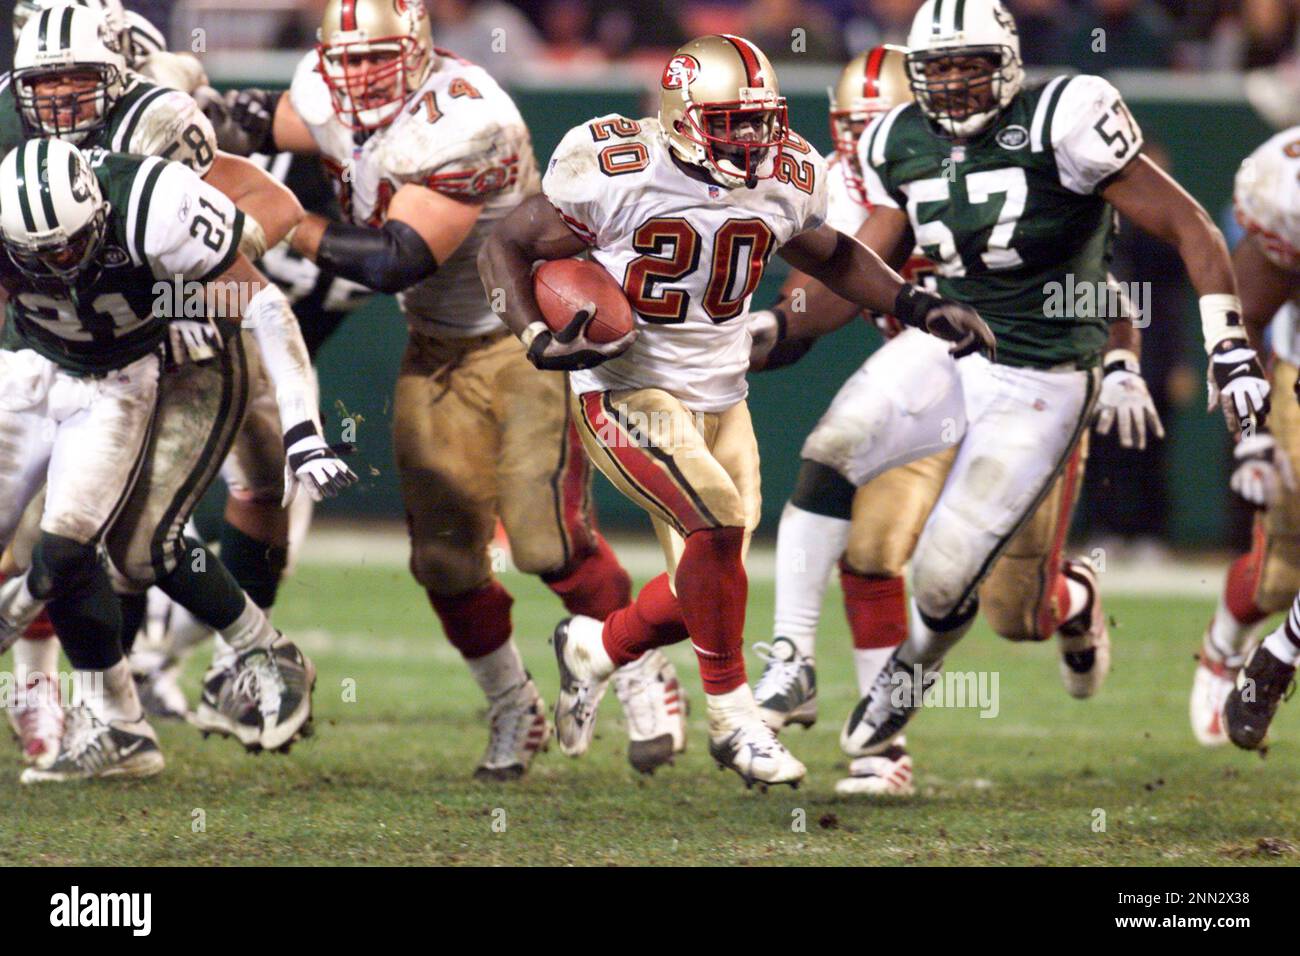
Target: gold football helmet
373,55
874,82
721,109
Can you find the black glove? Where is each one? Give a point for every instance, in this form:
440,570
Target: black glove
1237,384
945,319
569,350
244,120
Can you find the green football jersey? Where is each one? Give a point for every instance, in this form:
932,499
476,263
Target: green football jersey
147,119
166,228
1013,218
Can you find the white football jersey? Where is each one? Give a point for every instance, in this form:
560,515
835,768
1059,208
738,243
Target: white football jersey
843,211
689,254
152,120
1266,195
461,135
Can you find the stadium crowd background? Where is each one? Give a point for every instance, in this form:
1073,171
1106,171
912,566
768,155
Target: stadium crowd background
1127,503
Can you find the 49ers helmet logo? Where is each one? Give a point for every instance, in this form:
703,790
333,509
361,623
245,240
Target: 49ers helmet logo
680,71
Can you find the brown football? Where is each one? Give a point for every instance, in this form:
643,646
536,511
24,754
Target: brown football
563,286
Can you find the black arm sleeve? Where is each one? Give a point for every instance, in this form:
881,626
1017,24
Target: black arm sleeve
389,259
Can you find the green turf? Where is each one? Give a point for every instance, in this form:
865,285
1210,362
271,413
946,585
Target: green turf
387,777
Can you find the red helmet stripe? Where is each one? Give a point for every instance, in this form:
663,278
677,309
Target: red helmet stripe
870,87
348,15
753,69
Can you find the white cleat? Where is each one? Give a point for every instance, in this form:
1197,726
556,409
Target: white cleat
888,774
36,717
93,748
578,653
787,690
1084,640
740,741
1211,686
518,730
158,683
655,706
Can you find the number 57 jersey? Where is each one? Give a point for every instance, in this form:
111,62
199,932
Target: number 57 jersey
688,254
1013,219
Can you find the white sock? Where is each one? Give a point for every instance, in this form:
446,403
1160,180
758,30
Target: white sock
499,671
35,657
807,547
300,512
728,711
250,629
223,655
109,693
1228,640
1284,643
928,647
17,605
867,662
1078,594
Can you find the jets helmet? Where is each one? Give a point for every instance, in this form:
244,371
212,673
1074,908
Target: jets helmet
373,55
53,217
964,63
112,10
60,42
721,109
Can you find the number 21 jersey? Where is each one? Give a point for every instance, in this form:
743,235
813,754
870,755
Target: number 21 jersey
688,254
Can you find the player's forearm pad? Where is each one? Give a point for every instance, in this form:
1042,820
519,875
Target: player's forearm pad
388,259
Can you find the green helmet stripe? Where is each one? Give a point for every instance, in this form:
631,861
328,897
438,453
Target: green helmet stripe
65,29
43,173
938,13
24,203
43,32
958,15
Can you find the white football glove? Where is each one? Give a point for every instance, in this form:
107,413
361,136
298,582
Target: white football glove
1263,470
1126,399
310,462
192,340
1237,383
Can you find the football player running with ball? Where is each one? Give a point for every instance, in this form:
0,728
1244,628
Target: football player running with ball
1027,589
428,153
684,210
1010,193
1225,705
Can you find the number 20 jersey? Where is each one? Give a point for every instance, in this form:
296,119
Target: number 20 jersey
688,254
460,135
1013,219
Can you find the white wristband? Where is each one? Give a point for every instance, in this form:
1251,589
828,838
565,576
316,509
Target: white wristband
1123,356
252,242
1220,319
534,329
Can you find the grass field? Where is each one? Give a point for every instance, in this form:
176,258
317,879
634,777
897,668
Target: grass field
386,779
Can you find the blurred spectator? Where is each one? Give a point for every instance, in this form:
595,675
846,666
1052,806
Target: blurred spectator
491,33
879,21
566,25
1122,34
651,26
794,30
1044,28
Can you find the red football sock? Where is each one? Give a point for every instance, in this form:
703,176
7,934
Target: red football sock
1239,590
876,608
654,619
40,629
476,622
595,584
712,588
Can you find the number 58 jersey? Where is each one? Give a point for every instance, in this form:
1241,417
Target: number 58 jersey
688,254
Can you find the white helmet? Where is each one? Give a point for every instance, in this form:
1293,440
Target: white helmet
53,217
112,10
962,103
60,40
